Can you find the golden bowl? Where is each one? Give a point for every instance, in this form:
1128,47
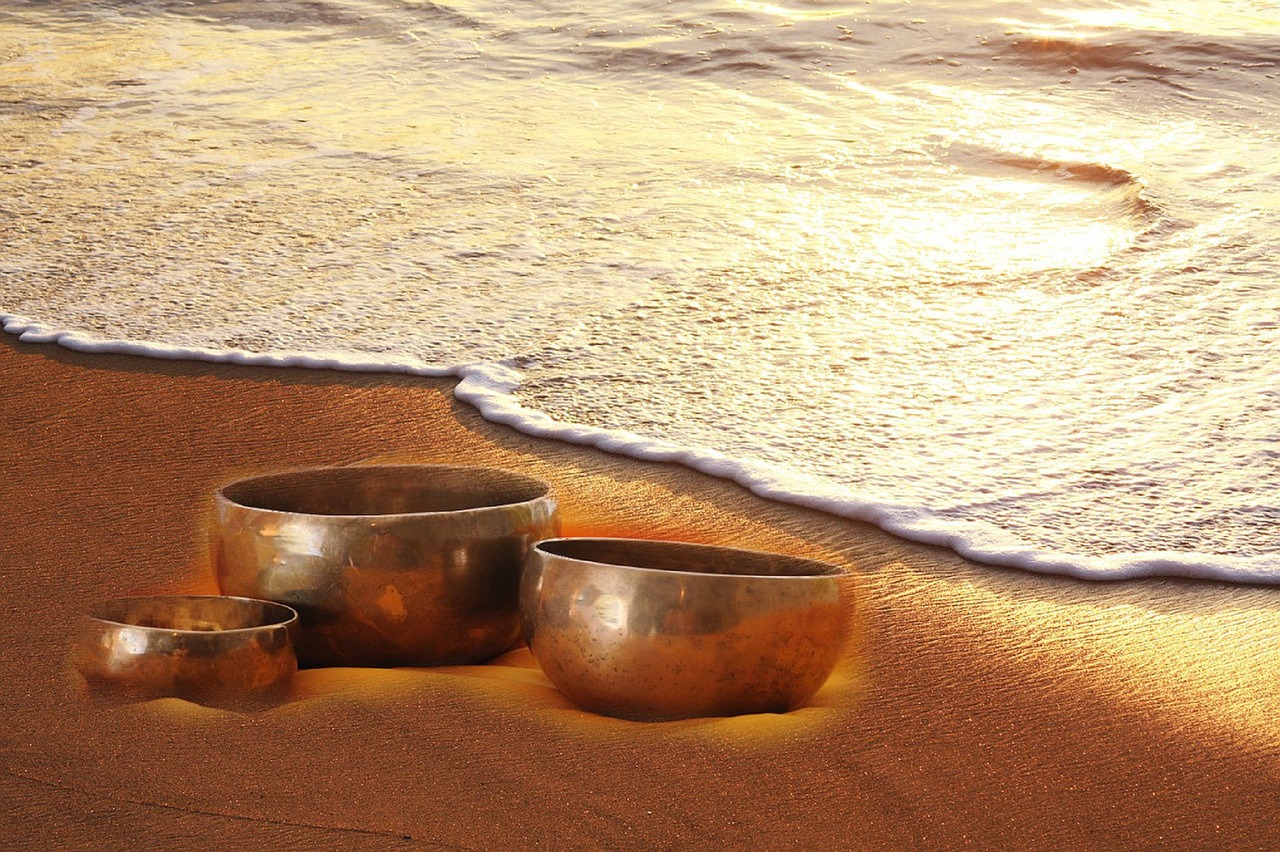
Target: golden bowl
201,647
391,565
667,630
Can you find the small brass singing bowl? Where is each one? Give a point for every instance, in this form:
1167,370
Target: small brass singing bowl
390,565
658,630
205,648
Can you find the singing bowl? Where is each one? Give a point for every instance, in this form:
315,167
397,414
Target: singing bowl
390,565
199,647
657,630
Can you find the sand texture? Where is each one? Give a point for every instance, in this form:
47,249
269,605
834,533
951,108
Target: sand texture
975,706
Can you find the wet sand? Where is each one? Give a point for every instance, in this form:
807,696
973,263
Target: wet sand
977,705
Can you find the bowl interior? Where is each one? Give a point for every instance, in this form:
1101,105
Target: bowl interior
385,490
686,557
194,613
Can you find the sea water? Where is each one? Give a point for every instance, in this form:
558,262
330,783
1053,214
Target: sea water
998,276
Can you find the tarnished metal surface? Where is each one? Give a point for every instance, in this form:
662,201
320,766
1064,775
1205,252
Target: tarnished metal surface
387,565
204,648
663,630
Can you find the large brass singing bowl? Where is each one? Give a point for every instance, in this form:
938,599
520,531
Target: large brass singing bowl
668,630
200,647
413,565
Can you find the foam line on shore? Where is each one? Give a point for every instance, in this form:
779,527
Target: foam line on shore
29,331
491,388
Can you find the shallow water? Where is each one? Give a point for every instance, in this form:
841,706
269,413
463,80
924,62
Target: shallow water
1001,277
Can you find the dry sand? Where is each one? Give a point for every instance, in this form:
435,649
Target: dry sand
977,706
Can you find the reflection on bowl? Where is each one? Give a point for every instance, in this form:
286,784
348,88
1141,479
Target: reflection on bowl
201,647
387,565
667,630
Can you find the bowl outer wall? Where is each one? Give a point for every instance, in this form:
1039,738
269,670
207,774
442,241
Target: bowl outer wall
434,588
653,644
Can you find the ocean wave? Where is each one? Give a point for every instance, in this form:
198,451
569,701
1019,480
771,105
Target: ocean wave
649,49
1070,170
1132,190
295,19
697,60
1172,59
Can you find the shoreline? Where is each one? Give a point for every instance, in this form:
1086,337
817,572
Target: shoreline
978,704
490,388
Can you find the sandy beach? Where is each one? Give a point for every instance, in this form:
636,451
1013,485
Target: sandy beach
976,705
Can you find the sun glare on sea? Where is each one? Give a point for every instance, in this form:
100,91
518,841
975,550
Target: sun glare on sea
954,225
1193,16
1005,227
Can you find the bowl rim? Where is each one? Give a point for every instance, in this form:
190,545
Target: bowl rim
831,571
548,492
289,615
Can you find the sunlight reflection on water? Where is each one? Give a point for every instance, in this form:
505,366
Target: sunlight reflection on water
1001,266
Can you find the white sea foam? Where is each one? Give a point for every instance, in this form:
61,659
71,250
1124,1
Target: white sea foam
31,331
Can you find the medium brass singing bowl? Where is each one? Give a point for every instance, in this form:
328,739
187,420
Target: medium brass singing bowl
392,565
200,647
657,630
